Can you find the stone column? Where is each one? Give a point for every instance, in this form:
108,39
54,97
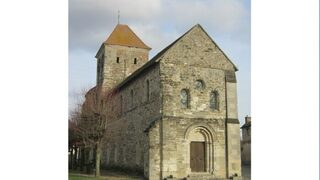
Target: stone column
232,126
154,153
210,157
188,157
207,146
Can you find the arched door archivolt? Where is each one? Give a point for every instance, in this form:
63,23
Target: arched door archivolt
199,138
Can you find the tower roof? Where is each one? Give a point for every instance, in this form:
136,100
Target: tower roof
122,35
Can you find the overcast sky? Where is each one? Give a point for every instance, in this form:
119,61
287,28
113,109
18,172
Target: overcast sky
158,23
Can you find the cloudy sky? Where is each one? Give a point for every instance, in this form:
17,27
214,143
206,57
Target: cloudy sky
158,23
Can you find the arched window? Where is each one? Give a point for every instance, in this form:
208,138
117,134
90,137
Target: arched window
184,96
214,100
118,60
148,91
135,61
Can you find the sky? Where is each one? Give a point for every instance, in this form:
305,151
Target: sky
158,23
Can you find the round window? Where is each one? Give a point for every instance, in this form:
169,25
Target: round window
199,84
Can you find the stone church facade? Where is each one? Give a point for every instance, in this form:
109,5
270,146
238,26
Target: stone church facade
175,115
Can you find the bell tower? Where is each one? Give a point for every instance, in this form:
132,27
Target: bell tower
119,56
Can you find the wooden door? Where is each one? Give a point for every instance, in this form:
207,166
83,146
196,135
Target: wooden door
197,156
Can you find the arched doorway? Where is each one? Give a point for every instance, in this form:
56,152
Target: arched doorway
200,149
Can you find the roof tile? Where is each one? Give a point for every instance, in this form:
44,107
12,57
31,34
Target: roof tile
124,36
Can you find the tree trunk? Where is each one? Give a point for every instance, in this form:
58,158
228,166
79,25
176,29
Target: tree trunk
71,158
75,160
87,159
98,156
82,155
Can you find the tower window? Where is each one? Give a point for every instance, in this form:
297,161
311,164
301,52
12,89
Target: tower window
118,59
135,61
184,98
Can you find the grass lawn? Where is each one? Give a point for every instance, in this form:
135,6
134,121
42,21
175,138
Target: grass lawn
109,176
84,177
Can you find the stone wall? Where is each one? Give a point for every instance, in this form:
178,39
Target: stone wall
233,131
198,50
194,57
126,145
246,142
246,153
114,72
176,145
164,150
233,146
246,134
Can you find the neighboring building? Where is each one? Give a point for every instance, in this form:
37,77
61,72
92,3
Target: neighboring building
174,115
246,142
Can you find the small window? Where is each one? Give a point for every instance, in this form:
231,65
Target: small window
118,60
131,98
214,100
120,108
184,98
135,61
148,91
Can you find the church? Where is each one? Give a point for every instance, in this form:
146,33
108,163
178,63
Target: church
174,116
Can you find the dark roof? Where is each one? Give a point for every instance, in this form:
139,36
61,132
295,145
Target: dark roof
246,125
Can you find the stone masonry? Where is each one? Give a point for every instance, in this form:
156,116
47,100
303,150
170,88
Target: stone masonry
184,96
246,142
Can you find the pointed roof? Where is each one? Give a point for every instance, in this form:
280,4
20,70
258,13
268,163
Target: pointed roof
122,35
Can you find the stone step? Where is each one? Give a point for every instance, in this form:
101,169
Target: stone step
206,178
200,174
203,176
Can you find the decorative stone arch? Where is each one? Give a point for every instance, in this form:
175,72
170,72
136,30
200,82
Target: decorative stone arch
201,132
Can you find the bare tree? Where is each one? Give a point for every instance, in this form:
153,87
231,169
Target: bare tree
74,138
89,121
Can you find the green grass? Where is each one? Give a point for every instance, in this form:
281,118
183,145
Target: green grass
111,176
84,177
